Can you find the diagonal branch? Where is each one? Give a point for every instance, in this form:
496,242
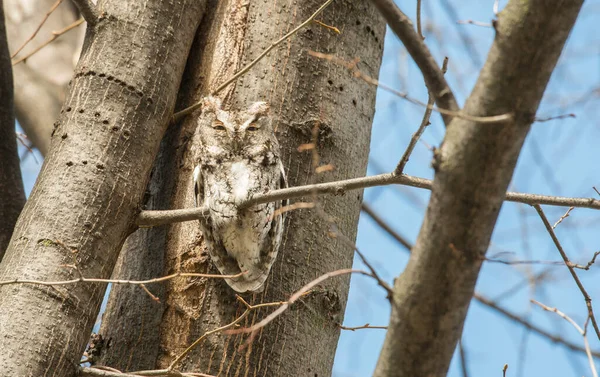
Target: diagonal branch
88,11
434,78
570,266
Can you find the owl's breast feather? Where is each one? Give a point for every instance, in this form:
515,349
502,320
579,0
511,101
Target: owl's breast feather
241,182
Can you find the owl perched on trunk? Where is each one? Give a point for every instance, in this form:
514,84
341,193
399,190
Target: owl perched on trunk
239,158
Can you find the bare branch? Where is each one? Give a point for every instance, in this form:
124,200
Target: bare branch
82,279
416,136
562,217
88,11
471,22
530,326
48,13
581,331
180,114
434,79
365,326
494,306
299,293
569,264
55,34
351,66
155,218
419,31
101,372
400,239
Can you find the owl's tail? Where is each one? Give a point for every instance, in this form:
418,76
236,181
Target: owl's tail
252,281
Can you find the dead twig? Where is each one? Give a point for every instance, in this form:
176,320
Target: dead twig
55,34
582,331
180,114
48,13
586,296
351,66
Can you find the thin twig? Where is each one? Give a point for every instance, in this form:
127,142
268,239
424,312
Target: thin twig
416,136
471,22
155,218
336,233
365,326
219,329
299,293
547,119
582,331
88,11
180,114
82,279
39,27
351,66
434,79
419,31
530,326
562,217
494,306
586,296
98,372
55,34
379,221
463,358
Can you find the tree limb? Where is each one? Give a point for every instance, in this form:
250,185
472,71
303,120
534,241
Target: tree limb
88,11
154,218
434,78
473,169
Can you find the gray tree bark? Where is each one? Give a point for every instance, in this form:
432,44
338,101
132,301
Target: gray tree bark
302,91
12,193
86,198
473,166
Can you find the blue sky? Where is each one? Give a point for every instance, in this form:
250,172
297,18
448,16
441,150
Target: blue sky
559,158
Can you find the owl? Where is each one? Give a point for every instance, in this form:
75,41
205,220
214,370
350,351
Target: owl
239,157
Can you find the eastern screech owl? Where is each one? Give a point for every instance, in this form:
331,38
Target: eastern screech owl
239,157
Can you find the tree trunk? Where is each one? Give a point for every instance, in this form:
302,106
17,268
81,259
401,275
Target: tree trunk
11,183
473,169
301,91
86,199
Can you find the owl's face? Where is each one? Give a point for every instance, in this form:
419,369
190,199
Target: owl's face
227,134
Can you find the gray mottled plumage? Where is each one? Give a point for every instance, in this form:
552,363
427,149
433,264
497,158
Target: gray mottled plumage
239,158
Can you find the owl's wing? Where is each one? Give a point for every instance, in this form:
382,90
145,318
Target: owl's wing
218,255
274,236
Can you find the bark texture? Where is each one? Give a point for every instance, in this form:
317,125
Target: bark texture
12,194
41,80
302,91
87,195
473,169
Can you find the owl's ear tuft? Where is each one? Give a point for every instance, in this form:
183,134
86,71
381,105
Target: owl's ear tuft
258,108
211,104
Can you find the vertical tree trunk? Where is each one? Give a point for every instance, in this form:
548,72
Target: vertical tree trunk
302,91
86,198
12,195
474,166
